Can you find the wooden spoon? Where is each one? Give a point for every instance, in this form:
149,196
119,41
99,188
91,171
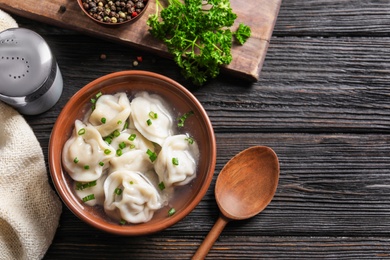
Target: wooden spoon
245,186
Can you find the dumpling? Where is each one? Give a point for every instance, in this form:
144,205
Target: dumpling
151,117
91,193
130,197
136,160
176,163
110,113
85,155
130,140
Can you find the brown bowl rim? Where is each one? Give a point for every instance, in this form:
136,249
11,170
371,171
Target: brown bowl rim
56,170
112,24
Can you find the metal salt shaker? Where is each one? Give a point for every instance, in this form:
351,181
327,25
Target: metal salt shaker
30,79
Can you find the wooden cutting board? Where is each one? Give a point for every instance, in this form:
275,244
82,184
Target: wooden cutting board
248,59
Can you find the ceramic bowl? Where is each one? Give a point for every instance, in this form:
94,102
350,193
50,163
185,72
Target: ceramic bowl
131,16
183,101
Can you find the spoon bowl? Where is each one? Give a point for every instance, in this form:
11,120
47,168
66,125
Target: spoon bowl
244,188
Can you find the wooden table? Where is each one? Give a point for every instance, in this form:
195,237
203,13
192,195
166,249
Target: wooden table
322,103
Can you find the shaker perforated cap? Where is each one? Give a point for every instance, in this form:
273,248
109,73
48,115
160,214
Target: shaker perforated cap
25,62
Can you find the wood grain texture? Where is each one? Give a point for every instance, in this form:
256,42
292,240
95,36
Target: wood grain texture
247,59
323,18
322,103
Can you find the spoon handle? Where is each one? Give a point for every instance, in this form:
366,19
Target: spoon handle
212,236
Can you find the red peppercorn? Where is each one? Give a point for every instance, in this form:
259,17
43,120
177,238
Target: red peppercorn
134,14
139,58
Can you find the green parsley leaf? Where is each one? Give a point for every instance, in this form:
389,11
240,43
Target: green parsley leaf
197,34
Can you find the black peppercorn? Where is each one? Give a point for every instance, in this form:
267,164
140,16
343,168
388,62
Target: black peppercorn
139,5
62,9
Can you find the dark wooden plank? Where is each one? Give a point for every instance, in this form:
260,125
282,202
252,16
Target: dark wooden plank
334,18
247,60
256,247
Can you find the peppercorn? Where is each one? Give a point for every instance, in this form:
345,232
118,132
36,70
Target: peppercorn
122,14
139,5
62,9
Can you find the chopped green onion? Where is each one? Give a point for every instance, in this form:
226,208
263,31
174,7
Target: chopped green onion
161,185
101,163
152,155
103,120
122,222
126,125
118,191
175,161
171,212
76,160
108,139
183,118
131,182
132,137
116,133
152,115
119,152
86,167
119,122
89,197
98,95
107,151
81,131
122,145
190,140
149,122
93,100
82,186
132,146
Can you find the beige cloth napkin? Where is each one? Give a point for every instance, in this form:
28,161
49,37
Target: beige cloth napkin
6,21
29,208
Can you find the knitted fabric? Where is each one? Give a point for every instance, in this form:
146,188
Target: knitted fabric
29,208
6,21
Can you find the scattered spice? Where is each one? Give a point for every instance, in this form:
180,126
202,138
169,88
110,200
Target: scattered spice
62,9
103,56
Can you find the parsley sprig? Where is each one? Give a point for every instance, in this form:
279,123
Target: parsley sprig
197,33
